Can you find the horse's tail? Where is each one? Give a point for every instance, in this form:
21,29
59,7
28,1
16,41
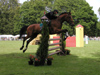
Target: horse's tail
22,31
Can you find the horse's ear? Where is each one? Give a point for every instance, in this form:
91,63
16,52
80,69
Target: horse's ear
70,12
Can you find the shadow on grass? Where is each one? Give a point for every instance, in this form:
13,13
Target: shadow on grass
97,54
17,64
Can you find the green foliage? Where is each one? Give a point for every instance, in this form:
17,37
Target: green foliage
69,28
98,28
99,11
98,25
7,12
32,11
42,51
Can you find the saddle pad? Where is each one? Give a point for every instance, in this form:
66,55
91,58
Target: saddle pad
41,24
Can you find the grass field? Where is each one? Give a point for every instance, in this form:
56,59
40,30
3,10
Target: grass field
82,61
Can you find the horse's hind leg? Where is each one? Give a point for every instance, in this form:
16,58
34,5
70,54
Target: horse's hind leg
23,42
28,41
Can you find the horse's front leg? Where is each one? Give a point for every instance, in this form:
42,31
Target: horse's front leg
58,31
66,35
65,31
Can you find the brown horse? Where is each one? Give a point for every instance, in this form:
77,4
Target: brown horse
55,28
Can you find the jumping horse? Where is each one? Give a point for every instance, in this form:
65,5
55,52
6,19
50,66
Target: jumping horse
55,28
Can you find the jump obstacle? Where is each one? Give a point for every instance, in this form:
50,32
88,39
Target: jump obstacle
42,52
60,47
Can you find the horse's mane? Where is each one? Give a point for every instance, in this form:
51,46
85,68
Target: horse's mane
63,13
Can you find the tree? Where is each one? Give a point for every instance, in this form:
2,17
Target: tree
7,12
98,28
17,21
42,51
99,11
98,24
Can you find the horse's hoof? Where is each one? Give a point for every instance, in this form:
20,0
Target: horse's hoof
21,47
64,39
24,51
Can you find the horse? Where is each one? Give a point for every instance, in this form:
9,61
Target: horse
55,28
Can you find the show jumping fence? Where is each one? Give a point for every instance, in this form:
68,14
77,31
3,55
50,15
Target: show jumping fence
60,47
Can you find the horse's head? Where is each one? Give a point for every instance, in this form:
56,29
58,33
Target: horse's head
67,17
70,19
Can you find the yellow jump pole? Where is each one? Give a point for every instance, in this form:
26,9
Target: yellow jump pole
79,36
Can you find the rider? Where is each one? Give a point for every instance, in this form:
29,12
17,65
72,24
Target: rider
50,16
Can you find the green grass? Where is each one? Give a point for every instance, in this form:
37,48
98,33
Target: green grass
82,61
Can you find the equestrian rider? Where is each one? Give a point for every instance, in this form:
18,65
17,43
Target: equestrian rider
49,16
52,15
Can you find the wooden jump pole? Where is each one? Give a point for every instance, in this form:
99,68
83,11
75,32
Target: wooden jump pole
61,48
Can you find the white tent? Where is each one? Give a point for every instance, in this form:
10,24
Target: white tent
6,36
9,37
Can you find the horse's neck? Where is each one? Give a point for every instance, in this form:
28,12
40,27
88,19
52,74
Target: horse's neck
58,22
